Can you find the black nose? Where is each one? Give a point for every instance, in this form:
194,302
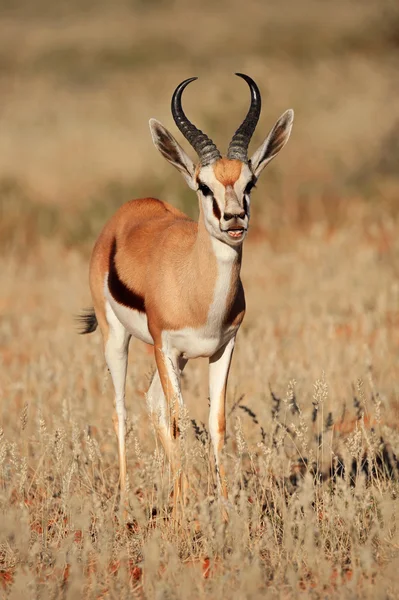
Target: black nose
229,216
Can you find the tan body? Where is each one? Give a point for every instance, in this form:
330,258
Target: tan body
169,261
167,280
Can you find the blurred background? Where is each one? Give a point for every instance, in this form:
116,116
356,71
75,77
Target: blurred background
79,81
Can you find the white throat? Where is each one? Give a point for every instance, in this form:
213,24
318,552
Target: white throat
225,253
226,258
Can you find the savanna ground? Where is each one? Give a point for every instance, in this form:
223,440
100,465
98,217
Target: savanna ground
313,401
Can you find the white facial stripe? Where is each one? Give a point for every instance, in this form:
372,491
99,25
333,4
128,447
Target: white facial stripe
207,176
243,180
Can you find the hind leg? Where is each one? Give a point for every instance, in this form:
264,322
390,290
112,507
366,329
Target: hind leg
116,354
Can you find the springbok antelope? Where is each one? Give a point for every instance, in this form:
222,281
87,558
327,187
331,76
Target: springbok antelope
175,283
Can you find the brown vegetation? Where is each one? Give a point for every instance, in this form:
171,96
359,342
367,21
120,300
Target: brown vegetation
313,426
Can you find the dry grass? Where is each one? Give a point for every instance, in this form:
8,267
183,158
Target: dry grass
313,427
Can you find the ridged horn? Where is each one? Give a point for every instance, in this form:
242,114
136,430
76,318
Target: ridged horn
238,147
202,144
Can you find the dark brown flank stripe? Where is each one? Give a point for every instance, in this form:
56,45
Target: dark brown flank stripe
119,290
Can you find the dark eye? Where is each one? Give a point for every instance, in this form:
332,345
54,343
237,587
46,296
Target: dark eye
249,187
204,189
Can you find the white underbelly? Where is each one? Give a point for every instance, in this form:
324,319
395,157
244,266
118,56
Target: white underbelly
134,322
195,343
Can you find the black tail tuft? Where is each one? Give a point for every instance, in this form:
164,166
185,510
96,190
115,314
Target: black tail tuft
87,321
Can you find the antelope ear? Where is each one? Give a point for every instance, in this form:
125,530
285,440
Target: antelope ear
274,142
173,152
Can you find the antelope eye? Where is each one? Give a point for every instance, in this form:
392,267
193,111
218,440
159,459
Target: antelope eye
249,187
204,189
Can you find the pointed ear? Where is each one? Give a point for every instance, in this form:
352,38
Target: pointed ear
173,152
274,142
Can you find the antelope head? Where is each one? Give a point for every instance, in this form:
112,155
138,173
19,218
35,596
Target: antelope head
223,185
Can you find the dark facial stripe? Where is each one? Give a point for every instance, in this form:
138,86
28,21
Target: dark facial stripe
216,209
245,205
119,290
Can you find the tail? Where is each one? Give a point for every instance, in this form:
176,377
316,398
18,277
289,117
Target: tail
87,321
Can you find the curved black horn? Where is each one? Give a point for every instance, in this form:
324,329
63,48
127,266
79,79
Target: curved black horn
202,144
238,148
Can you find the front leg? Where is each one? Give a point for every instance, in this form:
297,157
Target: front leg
169,365
219,366
160,411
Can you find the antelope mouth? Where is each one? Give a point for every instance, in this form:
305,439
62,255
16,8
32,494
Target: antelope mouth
236,232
